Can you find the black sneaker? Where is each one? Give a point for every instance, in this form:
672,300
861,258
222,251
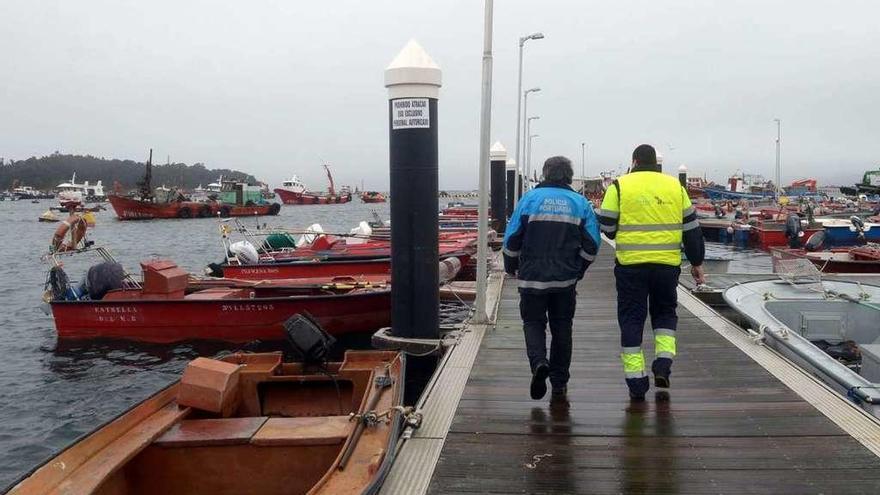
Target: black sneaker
661,370
538,388
558,392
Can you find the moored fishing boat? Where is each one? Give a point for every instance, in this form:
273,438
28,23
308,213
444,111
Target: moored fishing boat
865,259
829,328
166,308
248,423
373,197
235,199
294,192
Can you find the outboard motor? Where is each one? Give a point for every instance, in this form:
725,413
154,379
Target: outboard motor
104,277
816,241
859,225
793,231
245,252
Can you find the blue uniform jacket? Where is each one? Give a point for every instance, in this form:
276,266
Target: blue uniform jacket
551,239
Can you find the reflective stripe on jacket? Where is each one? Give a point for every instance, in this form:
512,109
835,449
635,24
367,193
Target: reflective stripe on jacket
647,211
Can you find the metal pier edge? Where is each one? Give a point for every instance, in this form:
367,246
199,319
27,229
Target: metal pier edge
418,455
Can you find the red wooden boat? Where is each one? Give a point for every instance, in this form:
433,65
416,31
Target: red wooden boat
308,269
372,197
245,424
299,197
135,209
766,235
838,260
163,310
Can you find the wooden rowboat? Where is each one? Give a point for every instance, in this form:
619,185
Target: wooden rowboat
246,424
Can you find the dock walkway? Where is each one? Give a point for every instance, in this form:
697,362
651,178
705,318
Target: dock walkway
730,425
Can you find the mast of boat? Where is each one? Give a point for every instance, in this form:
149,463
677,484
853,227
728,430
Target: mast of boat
146,184
332,189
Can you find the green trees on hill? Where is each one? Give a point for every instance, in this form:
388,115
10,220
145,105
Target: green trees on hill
46,172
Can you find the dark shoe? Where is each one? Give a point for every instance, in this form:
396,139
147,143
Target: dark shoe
661,369
559,391
638,387
538,388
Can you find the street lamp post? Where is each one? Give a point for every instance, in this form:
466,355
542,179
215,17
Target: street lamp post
529,155
778,155
526,113
583,160
522,42
528,150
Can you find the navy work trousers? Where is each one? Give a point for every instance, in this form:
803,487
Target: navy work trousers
558,308
641,290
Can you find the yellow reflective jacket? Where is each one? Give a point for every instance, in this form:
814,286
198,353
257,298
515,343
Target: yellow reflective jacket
648,211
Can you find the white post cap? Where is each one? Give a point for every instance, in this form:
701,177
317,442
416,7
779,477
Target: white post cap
511,164
413,74
682,168
498,152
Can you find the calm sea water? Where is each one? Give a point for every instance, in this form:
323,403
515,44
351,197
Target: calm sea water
51,394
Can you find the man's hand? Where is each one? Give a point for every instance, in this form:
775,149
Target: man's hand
698,274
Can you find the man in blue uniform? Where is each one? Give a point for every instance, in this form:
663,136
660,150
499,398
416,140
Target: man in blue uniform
551,239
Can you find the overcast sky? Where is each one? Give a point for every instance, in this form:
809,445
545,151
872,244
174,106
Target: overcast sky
274,87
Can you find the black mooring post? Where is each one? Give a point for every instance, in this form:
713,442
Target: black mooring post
683,176
497,191
511,184
413,82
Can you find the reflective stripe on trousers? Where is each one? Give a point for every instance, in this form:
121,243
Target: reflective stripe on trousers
664,343
633,362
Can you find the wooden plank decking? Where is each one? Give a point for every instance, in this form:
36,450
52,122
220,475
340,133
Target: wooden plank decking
728,427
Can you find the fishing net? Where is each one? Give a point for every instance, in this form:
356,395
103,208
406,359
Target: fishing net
799,272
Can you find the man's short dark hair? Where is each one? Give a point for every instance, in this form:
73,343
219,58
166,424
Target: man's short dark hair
644,154
558,169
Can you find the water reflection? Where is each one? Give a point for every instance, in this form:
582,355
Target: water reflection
648,457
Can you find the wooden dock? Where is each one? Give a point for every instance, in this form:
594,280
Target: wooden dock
737,420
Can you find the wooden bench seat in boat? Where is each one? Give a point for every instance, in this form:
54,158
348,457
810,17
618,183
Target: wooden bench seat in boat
305,431
211,432
219,293
79,474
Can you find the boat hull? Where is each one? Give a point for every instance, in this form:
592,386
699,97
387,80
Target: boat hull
847,235
766,237
308,269
289,430
834,261
230,320
307,198
133,209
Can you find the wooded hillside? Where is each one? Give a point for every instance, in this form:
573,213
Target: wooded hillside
47,172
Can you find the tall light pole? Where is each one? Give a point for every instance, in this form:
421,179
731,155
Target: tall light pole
528,168
529,156
522,42
525,97
778,155
480,314
583,160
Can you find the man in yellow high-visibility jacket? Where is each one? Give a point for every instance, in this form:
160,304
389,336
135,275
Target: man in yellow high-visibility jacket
651,215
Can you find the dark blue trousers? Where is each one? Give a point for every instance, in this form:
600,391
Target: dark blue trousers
645,289
557,308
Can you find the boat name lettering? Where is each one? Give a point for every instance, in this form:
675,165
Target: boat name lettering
260,270
116,309
248,307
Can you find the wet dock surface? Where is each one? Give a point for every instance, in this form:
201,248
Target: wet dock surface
728,426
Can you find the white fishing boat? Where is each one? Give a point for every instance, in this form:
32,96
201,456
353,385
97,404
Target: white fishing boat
71,192
831,329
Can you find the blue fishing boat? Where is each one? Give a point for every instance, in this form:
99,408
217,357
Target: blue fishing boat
842,232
